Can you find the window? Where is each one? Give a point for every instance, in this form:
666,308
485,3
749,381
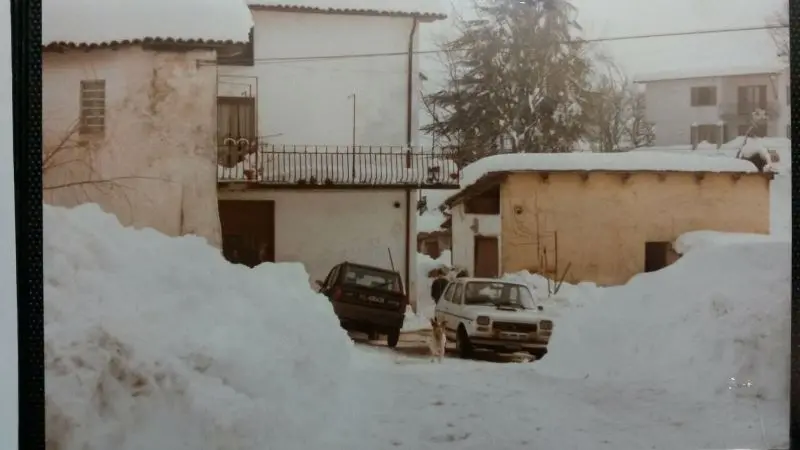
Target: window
707,133
371,278
496,293
486,203
751,98
448,291
458,292
238,54
704,96
93,107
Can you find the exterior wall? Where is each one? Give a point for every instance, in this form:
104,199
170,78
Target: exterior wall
785,100
602,224
669,106
159,141
463,236
310,102
323,228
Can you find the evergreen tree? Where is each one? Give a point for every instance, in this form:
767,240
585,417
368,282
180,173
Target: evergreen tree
518,79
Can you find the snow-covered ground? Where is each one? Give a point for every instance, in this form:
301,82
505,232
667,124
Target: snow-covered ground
156,342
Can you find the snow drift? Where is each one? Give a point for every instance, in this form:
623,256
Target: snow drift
720,312
157,342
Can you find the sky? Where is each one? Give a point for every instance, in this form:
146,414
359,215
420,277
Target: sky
612,18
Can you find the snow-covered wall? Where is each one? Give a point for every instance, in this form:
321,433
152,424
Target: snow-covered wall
463,235
158,148
669,106
323,228
310,102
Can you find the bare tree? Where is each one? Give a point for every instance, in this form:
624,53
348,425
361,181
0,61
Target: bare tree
639,131
781,35
616,113
517,75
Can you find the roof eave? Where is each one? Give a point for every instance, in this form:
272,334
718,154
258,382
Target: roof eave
184,43
420,16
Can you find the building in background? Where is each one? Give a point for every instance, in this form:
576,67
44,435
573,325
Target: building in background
716,106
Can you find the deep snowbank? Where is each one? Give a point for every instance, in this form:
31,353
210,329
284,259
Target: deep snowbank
698,240
157,342
719,312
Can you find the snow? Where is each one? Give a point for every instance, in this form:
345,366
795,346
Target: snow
423,7
623,161
719,71
702,239
432,218
157,342
720,312
258,358
8,282
93,22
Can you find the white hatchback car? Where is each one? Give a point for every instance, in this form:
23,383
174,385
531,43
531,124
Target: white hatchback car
482,313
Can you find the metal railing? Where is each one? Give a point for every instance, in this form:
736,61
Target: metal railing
744,110
320,165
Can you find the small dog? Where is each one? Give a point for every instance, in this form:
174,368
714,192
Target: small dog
438,340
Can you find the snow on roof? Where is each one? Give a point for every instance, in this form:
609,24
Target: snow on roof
108,22
708,72
423,8
610,162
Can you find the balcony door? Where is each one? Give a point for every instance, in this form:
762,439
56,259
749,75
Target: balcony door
751,98
236,128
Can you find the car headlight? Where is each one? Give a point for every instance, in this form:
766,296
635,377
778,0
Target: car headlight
483,320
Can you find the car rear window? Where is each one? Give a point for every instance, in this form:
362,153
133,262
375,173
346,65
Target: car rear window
375,279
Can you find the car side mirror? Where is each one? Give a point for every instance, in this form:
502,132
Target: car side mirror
540,308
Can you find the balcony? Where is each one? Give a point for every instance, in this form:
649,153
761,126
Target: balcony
744,110
313,166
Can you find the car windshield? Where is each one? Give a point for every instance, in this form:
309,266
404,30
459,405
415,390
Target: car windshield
499,294
372,278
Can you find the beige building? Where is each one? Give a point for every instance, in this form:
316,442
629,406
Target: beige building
129,109
598,217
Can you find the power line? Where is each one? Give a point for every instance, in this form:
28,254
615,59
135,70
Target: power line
591,40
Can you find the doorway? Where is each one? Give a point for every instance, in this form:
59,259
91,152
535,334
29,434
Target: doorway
656,255
487,257
248,231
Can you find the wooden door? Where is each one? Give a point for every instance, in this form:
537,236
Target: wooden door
248,231
656,255
487,257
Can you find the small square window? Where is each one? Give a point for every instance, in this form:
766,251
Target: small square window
93,107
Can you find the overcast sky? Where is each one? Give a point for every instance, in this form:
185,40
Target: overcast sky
611,18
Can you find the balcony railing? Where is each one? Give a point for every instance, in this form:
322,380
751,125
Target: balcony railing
331,166
744,110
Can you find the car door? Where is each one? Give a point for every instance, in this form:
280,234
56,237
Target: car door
456,306
443,304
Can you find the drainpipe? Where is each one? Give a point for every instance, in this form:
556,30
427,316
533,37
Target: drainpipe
409,143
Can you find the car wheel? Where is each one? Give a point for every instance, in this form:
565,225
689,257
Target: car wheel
393,338
463,346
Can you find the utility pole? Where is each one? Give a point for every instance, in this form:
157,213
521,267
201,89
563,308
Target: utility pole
353,146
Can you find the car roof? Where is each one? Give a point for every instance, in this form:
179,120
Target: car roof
364,266
490,280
